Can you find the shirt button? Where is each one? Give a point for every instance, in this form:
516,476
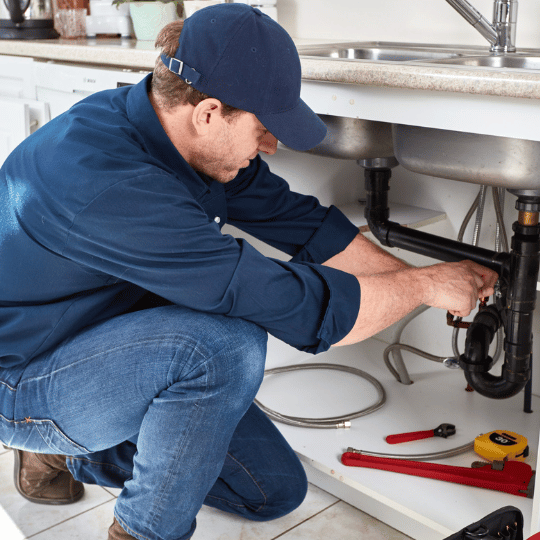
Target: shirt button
217,219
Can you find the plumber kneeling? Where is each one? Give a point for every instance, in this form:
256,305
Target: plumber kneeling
132,331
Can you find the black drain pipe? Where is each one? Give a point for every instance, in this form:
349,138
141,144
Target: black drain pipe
393,234
518,269
517,313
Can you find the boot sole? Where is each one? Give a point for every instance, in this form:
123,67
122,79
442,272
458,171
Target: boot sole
38,500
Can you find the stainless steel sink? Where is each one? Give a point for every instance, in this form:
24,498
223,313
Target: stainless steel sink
352,138
411,52
384,51
508,61
491,160
469,157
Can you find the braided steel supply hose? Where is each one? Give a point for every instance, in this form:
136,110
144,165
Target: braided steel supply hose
336,422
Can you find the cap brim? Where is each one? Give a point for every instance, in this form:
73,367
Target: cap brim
299,128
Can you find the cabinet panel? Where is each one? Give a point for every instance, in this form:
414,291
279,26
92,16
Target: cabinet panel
14,128
61,85
20,118
16,77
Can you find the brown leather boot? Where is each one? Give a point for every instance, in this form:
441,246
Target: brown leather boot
45,479
117,533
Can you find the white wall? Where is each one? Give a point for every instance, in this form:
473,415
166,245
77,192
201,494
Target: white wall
421,21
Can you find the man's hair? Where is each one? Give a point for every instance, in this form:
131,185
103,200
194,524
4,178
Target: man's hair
169,89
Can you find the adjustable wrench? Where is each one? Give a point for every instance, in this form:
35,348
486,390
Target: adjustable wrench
444,430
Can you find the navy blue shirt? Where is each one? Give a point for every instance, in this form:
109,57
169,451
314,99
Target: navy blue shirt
97,208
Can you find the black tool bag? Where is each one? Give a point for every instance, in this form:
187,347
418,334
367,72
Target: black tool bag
503,524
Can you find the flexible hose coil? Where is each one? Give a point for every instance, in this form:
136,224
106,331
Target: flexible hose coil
332,421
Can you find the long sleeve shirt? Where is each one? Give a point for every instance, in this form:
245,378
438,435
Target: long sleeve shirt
98,208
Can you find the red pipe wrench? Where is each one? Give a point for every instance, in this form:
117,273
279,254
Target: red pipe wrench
513,477
444,430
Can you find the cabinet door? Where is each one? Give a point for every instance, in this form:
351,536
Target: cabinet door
14,128
16,77
20,118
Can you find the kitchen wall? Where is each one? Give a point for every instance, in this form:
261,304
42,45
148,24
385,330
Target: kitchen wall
426,21
338,182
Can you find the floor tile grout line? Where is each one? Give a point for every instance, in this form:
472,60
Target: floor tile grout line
107,490
306,520
70,518
113,497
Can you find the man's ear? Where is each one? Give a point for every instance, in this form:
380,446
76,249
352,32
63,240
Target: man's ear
205,115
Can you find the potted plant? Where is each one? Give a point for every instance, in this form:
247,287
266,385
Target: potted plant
150,16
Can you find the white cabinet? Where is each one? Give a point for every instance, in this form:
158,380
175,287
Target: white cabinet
20,118
16,77
33,92
62,85
13,127
19,112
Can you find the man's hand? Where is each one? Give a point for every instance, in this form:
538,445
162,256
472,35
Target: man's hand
390,288
457,287
387,297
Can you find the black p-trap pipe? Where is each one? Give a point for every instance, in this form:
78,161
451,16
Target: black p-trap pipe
518,319
518,269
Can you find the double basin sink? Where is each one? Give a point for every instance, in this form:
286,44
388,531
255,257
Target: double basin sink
482,159
433,54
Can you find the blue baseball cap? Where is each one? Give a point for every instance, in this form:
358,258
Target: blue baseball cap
242,57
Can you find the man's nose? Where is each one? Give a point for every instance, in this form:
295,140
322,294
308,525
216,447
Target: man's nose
268,144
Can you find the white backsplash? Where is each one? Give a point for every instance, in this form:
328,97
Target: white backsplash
424,21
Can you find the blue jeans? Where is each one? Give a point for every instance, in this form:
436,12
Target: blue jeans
158,402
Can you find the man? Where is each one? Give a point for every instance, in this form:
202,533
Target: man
132,332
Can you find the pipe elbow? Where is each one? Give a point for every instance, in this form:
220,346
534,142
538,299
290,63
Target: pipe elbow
493,387
476,363
379,227
480,334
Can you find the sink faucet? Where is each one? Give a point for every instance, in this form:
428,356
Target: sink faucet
502,33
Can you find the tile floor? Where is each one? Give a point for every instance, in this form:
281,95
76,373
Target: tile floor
321,517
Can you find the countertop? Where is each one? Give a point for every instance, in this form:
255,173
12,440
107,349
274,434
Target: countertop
141,55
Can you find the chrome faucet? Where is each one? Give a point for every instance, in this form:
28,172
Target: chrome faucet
502,33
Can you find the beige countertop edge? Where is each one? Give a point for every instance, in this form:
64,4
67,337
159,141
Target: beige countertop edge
104,52
483,81
131,54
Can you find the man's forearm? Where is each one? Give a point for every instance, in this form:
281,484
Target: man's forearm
385,299
363,257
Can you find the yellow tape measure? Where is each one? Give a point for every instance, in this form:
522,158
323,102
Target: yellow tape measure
499,445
